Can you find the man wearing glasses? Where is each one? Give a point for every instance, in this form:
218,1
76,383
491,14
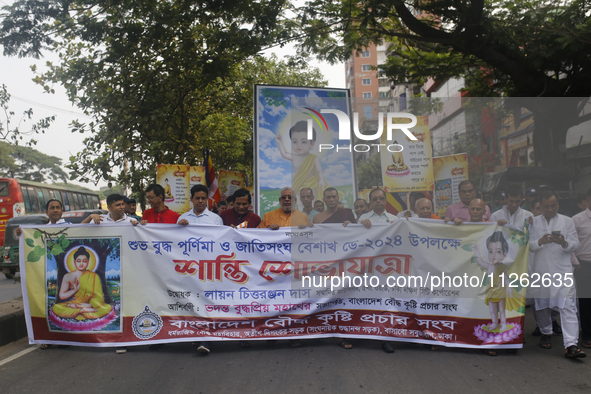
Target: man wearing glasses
287,215
378,213
159,213
461,210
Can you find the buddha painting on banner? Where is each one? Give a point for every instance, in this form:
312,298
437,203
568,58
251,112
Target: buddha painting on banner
84,286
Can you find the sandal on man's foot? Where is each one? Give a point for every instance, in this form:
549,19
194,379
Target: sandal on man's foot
388,347
586,343
345,344
574,352
203,349
44,346
491,352
546,341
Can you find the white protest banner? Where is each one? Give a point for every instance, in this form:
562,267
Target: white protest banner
418,281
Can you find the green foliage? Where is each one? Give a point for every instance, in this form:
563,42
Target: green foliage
15,134
35,254
274,97
516,48
117,189
163,80
518,238
337,95
24,162
471,143
369,173
467,247
56,250
220,118
56,244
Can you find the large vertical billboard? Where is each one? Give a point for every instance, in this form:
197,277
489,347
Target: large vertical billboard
285,156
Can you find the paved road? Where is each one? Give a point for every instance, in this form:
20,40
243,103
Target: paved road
319,366
9,290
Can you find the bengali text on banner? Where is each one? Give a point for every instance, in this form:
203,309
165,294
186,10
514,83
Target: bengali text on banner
417,281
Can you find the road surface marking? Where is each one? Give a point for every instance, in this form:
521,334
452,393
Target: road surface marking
19,354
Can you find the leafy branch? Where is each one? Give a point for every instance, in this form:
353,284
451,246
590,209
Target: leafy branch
56,244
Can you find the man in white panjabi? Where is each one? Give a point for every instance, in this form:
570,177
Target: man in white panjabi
553,238
512,214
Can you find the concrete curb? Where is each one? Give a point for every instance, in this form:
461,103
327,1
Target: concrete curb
12,327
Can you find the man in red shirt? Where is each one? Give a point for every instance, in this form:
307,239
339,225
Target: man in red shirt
159,213
240,216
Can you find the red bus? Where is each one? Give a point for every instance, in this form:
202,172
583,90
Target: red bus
19,197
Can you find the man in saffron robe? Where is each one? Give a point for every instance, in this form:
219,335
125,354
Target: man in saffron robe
333,213
287,215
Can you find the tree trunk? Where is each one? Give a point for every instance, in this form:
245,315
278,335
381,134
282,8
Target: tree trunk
552,119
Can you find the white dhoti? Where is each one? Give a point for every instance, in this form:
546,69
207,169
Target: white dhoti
568,318
555,285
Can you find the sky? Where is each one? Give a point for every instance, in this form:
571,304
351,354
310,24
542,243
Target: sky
58,141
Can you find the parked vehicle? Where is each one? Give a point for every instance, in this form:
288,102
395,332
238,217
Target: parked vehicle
76,217
9,258
19,197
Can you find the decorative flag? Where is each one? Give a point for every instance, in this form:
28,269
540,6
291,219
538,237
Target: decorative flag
394,203
212,183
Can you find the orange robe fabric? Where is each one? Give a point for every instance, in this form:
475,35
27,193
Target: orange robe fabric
277,216
90,292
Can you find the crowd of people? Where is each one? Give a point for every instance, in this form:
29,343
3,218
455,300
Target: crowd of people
558,244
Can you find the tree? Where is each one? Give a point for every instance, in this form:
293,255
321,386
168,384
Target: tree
480,161
369,173
220,118
150,74
117,189
24,162
13,134
528,49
